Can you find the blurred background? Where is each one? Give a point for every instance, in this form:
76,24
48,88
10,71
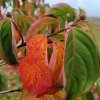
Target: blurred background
92,7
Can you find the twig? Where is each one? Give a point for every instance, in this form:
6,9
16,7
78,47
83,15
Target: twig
19,32
58,32
10,16
82,17
13,90
21,45
24,44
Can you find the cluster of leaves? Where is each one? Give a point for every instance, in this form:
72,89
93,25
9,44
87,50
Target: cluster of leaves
56,50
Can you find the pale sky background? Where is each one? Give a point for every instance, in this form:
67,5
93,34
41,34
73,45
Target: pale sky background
92,7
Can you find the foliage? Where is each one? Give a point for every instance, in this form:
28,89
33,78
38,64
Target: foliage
55,51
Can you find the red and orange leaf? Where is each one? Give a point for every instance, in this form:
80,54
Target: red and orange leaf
36,76
39,76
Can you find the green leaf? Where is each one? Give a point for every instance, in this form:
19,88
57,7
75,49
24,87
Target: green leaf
62,9
81,63
24,18
95,34
62,22
8,49
98,81
59,37
40,25
24,22
3,81
98,87
88,96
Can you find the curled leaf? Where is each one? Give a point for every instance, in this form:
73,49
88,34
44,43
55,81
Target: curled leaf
40,25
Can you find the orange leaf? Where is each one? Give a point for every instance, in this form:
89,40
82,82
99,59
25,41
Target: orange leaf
39,76
36,76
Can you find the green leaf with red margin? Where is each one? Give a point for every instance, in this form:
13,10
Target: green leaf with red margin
62,9
93,32
40,25
8,49
81,63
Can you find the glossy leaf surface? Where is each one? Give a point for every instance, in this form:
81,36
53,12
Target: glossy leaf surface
7,45
81,63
